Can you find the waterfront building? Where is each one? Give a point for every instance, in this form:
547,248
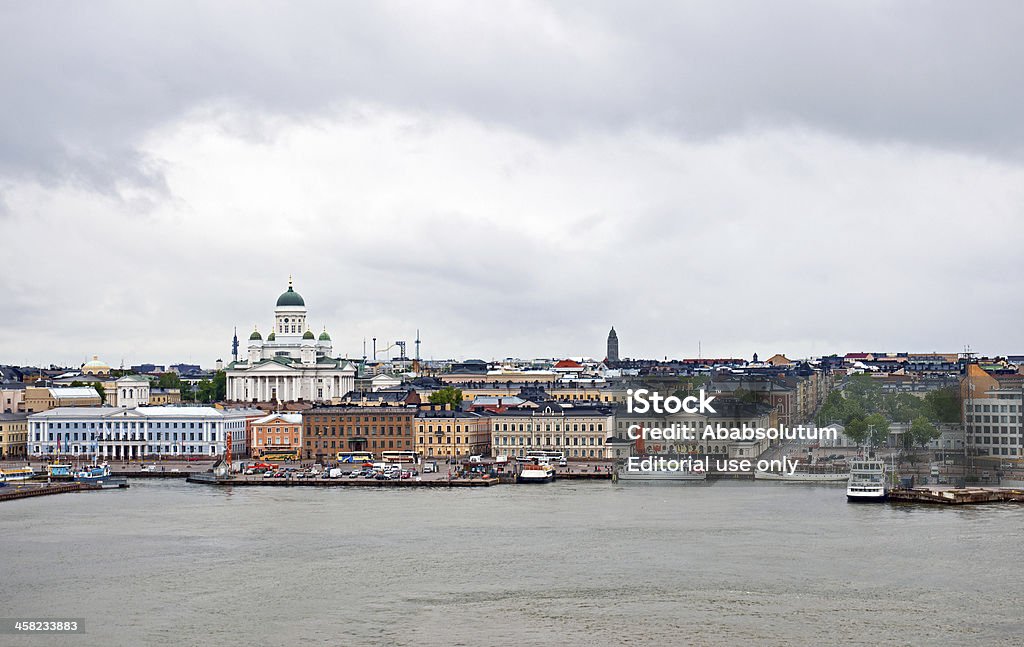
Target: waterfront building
292,363
13,435
578,432
451,433
328,430
993,413
728,413
276,433
115,433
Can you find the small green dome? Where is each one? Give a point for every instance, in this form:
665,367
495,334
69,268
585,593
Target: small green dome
324,336
308,335
271,337
255,335
290,298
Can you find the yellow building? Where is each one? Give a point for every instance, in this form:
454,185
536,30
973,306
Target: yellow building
160,397
42,398
13,435
442,432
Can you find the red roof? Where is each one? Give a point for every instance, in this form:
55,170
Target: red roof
568,363
856,355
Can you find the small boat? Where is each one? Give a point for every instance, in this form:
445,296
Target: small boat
99,475
60,470
16,474
663,468
806,474
540,473
867,481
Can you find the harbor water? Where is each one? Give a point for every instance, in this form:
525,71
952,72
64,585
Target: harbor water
569,563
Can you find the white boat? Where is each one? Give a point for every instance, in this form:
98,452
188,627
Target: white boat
805,474
662,468
867,480
99,475
11,474
541,473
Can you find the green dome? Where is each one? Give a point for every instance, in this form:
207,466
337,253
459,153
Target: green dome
271,337
324,336
290,298
308,335
255,335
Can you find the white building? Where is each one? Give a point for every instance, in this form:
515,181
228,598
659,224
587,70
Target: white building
117,433
576,432
291,363
131,391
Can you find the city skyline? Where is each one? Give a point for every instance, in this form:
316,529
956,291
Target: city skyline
512,182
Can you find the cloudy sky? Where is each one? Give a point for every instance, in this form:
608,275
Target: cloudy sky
512,178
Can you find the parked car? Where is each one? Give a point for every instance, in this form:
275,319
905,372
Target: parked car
268,474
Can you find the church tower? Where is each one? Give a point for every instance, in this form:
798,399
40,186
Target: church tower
613,346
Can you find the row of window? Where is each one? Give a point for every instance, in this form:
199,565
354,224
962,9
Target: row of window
504,426
546,440
361,431
995,408
391,444
117,425
67,437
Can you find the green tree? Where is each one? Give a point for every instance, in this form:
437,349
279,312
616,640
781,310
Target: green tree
904,407
220,386
169,381
103,392
690,385
944,404
857,430
922,431
447,395
878,429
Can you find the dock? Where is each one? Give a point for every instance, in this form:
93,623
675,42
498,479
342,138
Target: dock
210,479
957,496
28,489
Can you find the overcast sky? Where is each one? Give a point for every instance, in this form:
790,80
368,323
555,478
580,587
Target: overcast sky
512,178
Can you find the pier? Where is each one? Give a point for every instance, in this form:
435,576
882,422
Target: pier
30,489
210,479
957,496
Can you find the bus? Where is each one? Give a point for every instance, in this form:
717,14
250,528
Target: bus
280,455
355,457
543,456
399,457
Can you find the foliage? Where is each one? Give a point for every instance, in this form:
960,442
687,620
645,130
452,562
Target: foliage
944,404
922,431
447,395
170,381
690,385
878,429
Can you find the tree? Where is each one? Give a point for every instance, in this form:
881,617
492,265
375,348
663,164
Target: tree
904,407
169,381
447,395
878,429
922,431
103,392
690,385
857,430
944,404
220,386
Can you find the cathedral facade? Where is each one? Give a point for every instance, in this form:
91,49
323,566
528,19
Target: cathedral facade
292,363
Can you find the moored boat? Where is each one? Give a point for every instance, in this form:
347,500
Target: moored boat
806,474
10,474
867,481
532,473
99,475
663,468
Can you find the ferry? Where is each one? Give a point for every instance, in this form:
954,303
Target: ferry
681,474
59,470
536,473
867,480
100,475
16,474
806,474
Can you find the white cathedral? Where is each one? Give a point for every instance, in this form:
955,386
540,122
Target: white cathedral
291,363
